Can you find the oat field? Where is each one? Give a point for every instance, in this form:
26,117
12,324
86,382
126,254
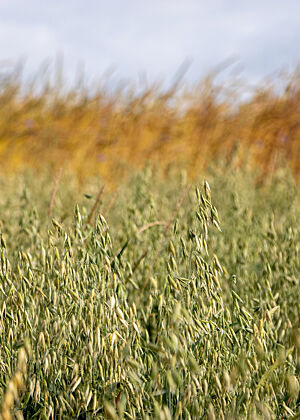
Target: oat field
159,299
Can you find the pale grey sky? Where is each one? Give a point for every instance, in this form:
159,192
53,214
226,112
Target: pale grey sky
154,36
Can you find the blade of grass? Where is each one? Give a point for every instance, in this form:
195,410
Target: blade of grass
149,225
92,213
54,189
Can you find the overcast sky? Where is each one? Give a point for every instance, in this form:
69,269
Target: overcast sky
153,37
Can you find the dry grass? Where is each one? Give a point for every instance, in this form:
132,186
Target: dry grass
104,132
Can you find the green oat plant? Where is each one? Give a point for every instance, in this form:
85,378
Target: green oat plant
163,312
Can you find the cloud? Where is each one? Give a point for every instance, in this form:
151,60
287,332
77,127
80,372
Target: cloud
154,36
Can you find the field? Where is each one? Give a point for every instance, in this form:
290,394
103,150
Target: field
168,293
94,130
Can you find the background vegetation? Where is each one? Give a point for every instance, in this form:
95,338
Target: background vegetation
103,130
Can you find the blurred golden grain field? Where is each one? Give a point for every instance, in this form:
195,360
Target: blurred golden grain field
98,131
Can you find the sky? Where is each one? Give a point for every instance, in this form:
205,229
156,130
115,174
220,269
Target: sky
149,40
